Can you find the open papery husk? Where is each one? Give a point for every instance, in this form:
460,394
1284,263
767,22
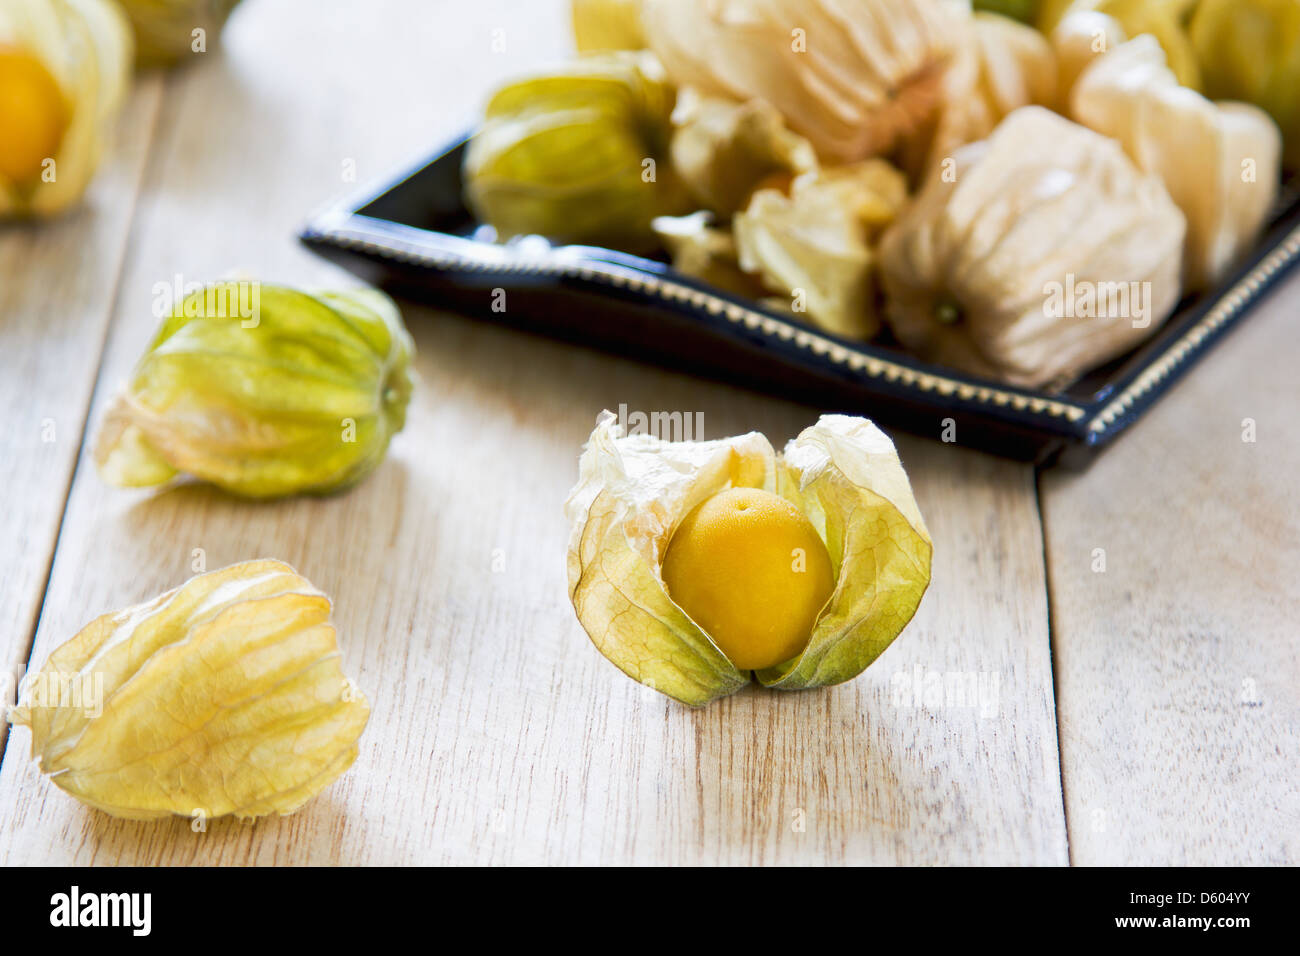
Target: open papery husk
633,491
818,240
724,150
82,49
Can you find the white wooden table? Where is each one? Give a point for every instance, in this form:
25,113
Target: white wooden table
1149,713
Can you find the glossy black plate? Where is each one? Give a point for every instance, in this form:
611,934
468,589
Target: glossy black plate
413,235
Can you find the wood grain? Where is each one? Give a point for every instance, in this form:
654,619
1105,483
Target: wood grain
57,284
498,733
1178,667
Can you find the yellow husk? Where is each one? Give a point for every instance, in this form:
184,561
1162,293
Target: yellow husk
86,47
222,697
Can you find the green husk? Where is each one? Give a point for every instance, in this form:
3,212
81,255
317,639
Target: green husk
298,394
579,155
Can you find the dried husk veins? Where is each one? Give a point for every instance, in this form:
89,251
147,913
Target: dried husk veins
869,71
567,154
1199,149
821,239
633,491
263,410
1042,201
724,150
998,66
845,474
630,494
223,696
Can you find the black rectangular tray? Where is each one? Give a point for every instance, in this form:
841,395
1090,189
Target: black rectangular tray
413,235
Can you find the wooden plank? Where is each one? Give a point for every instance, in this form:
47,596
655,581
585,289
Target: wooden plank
498,733
1177,668
57,284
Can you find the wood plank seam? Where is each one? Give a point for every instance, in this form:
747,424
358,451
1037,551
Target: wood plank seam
154,88
1051,644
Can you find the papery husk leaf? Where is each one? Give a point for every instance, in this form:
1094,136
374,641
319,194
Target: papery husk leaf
703,251
1199,149
164,29
303,398
87,48
844,473
564,154
607,25
1041,205
820,240
865,73
998,66
1163,19
1077,40
1017,65
223,696
631,493
724,150
1247,50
